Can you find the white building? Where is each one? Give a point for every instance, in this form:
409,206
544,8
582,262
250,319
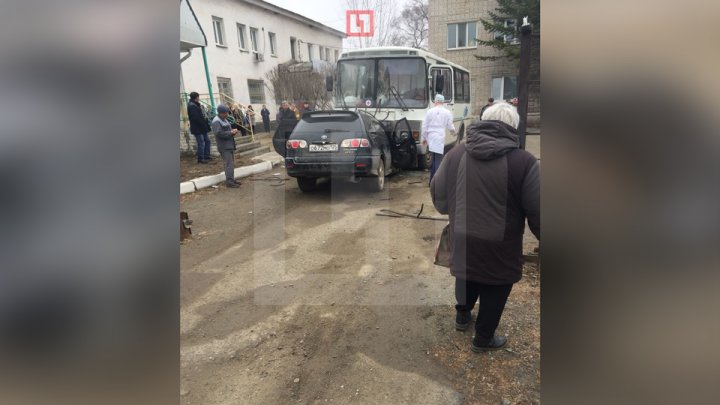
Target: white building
245,40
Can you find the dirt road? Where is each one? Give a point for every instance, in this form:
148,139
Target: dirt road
313,298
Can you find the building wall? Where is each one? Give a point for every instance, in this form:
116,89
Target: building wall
239,66
444,12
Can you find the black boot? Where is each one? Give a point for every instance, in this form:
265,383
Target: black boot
495,343
462,320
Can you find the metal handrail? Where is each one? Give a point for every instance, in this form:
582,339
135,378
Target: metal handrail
212,112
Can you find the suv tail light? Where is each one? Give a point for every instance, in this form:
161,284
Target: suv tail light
355,143
296,144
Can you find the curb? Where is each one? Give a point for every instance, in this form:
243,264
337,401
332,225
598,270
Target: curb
207,181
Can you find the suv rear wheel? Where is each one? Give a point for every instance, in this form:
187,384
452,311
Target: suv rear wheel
378,183
307,184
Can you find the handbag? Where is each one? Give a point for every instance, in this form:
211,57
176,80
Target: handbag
443,253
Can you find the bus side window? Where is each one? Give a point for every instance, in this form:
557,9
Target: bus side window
447,90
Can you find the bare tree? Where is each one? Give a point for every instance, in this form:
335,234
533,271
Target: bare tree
413,24
385,23
300,86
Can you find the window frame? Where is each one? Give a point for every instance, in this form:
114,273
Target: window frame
272,38
468,38
254,39
242,38
512,39
503,79
261,83
446,86
461,86
230,94
293,51
218,22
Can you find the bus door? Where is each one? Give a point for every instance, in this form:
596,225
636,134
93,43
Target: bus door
442,82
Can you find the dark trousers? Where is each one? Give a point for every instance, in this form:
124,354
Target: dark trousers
266,123
228,158
492,304
203,146
437,159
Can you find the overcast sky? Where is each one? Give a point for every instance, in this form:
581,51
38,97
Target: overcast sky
328,12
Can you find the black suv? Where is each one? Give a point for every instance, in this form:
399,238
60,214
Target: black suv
341,144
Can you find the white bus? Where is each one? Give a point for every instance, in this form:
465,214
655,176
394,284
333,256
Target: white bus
397,86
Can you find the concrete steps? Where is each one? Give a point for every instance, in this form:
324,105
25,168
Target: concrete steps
254,152
246,146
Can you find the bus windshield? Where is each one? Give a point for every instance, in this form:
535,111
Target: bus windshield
376,83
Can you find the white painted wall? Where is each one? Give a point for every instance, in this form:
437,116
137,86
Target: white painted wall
239,65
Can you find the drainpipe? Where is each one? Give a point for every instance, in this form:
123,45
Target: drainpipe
207,76
524,79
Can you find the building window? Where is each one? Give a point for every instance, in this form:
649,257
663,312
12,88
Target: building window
293,43
256,89
509,38
327,54
273,43
241,36
310,52
462,35
504,88
254,39
336,55
322,53
219,29
225,89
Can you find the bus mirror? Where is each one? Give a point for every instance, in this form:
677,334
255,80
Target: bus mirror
329,83
439,84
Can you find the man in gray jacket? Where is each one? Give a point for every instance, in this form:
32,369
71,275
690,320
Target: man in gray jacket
225,140
488,187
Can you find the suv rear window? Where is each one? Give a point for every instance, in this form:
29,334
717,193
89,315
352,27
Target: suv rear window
322,121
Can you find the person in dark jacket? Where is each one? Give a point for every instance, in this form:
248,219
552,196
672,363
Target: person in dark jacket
286,120
199,127
490,102
225,140
488,187
265,114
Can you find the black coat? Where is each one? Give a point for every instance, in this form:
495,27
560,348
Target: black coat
265,113
198,122
489,187
286,121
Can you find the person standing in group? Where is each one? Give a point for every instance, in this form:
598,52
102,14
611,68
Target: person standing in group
265,114
489,187
239,117
295,111
251,115
225,140
490,102
199,127
437,120
286,122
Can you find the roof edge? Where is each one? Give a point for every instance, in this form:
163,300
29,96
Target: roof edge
277,9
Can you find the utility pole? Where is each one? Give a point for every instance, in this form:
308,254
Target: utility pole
524,78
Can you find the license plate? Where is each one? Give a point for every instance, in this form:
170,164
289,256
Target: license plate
330,147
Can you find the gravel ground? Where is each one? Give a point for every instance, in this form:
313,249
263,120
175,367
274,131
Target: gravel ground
312,298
